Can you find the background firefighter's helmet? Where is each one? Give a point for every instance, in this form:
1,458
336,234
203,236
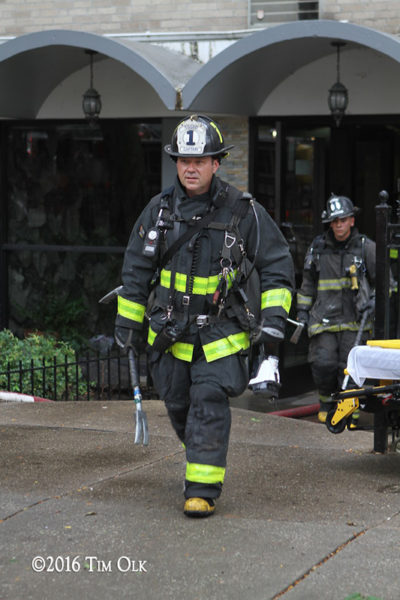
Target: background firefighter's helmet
338,207
197,135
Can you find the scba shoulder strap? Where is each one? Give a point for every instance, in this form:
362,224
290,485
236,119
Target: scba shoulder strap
239,210
200,224
319,246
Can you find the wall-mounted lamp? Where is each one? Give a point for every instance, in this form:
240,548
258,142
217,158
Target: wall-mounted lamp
338,97
91,101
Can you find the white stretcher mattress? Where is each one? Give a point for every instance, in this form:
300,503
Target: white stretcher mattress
372,362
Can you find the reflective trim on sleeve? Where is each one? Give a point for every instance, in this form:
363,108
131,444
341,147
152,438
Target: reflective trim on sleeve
226,346
277,297
204,473
131,310
303,301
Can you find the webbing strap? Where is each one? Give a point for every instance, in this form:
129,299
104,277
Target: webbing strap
200,224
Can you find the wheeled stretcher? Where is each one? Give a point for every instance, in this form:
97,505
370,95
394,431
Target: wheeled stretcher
380,360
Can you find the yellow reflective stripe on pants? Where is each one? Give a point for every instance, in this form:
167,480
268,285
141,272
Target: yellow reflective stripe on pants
276,297
226,346
198,473
131,310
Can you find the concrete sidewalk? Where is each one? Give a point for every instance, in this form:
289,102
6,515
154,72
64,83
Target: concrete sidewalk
305,515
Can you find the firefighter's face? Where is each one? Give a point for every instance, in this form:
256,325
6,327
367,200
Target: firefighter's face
195,174
342,227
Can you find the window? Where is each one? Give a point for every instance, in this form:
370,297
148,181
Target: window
272,12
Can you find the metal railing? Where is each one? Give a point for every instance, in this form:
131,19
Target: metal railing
266,12
93,376
387,304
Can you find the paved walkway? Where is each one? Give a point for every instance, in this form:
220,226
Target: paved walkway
305,515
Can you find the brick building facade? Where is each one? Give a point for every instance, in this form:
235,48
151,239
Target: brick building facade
138,16
379,14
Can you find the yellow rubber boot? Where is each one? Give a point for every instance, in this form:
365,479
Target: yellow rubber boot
353,424
325,406
199,507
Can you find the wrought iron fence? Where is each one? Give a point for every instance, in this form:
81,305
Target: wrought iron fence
92,376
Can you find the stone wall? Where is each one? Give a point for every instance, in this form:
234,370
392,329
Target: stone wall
139,16
234,168
377,14
121,16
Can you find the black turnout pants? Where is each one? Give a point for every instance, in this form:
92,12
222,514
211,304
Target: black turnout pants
196,397
327,355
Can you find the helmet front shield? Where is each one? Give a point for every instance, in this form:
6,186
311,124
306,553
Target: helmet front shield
196,136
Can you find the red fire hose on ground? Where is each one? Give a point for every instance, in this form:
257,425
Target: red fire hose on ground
298,411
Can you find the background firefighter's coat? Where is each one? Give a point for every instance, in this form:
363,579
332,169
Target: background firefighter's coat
326,292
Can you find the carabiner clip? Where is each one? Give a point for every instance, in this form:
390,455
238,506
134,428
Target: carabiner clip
229,239
226,265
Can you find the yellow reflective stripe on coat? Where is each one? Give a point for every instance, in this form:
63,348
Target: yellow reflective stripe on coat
278,297
179,349
226,346
334,284
201,285
214,350
204,473
131,310
151,336
182,351
180,280
336,327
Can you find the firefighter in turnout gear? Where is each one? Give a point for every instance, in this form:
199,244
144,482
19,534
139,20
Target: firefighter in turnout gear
195,250
338,285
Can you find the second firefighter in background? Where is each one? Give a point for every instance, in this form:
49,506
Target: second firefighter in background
338,285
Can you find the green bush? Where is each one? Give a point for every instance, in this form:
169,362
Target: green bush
56,315
44,351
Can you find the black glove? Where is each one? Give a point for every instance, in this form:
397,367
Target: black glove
273,330
303,316
369,305
128,338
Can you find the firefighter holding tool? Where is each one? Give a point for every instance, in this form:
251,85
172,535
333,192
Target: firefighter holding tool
209,269
337,289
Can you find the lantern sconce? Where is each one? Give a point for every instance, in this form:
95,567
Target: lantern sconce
91,100
338,97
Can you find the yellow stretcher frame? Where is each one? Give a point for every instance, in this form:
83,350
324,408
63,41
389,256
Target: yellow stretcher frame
347,406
